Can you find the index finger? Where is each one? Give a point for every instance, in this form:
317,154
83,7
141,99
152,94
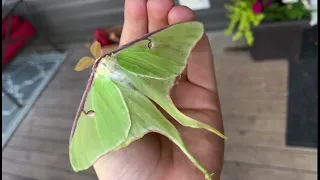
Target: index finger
135,21
200,69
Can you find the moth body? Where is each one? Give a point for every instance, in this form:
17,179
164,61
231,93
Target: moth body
108,66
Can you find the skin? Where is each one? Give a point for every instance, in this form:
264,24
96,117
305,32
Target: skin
154,157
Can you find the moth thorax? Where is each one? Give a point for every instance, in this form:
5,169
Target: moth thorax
106,66
109,67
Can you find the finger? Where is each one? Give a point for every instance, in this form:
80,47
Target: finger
200,68
209,143
135,20
157,13
180,14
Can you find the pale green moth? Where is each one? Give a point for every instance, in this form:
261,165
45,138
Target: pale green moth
117,109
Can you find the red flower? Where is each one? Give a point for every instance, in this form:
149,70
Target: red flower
257,7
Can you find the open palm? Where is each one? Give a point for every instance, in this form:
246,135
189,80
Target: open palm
154,157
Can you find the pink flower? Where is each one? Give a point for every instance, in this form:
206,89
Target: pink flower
268,3
257,7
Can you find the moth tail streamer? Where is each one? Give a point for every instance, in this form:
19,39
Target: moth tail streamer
167,105
178,141
157,91
147,118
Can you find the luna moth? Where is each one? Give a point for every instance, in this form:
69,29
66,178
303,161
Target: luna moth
118,107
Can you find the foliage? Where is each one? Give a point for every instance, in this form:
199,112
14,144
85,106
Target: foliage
283,12
243,15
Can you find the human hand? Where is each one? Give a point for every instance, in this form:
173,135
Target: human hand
154,157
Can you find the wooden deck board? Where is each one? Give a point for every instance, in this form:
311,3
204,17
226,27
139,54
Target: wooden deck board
7,176
30,170
290,159
253,97
55,160
38,144
244,171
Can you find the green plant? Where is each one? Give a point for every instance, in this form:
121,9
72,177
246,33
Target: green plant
283,12
245,14
242,18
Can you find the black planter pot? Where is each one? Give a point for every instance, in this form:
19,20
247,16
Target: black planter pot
275,40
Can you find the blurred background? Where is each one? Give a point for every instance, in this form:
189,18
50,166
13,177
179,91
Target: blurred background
265,55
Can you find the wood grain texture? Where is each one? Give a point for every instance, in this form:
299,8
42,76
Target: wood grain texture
254,119
244,171
254,105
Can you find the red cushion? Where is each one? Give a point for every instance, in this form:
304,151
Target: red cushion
15,24
26,30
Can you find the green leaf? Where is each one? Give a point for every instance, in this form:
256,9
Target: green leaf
249,37
237,36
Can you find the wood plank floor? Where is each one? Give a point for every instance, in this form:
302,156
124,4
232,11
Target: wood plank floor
253,97
254,104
